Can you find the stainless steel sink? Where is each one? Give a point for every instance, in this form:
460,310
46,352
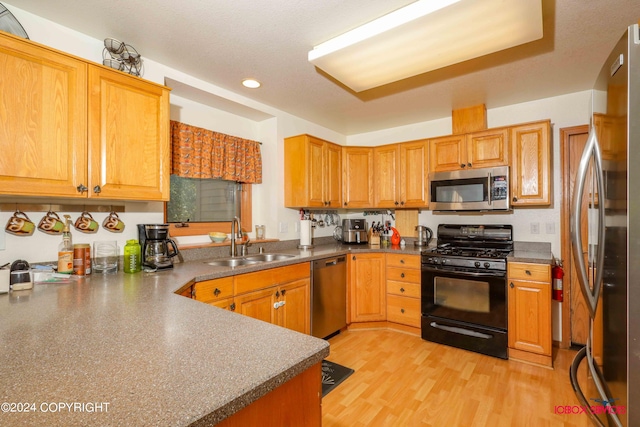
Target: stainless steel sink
268,257
248,260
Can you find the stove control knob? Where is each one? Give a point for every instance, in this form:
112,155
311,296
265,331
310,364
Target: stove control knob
487,265
477,264
444,261
430,260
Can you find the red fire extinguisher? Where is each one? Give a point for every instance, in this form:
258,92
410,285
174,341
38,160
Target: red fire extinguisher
557,273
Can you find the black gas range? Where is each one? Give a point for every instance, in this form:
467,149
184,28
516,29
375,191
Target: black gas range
464,288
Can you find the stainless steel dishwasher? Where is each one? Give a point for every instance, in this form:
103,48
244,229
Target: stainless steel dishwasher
329,296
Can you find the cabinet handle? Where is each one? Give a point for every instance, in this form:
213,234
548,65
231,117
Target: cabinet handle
511,285
97,189
283,291
402,203
402,290
277,294
469,164
402,261
515,199
402,310
193,292
345,203
396,203
216,291
81,188
232,307
353,257
462,165
402,275
528,272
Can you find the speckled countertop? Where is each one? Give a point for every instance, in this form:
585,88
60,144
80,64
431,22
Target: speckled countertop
126,350
531,252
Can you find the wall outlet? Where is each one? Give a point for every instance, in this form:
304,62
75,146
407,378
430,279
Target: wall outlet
284,227
535,228
550,227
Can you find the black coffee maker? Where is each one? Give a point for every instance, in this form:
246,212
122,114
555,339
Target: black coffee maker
158,249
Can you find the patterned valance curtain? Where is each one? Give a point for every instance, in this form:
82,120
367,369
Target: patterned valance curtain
202,153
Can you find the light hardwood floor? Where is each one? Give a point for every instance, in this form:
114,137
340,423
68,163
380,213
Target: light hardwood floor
402,380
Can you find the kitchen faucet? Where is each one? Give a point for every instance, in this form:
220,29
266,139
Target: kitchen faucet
235,222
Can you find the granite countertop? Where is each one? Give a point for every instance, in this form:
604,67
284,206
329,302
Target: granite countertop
531,252
125,347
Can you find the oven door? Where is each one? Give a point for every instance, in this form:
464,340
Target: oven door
471,297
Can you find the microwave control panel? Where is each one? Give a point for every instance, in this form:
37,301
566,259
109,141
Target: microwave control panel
499,187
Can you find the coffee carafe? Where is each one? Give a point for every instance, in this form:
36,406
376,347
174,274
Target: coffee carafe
423,235
158,249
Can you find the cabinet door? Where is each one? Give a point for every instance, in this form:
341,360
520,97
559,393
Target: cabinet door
128,137
530,164
367,287
414,174
386,164
447,153
295,314
488,148
530,316
358,177
258,304
332,161
315,172
43,122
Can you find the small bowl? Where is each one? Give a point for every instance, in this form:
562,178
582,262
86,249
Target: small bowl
217,237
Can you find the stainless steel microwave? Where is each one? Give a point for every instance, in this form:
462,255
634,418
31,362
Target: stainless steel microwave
485,189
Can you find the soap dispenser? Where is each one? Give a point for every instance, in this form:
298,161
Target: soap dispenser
65,249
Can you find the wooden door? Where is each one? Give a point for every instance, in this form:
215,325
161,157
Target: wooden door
414,174
367,287
295,314
447,153
258,304
575,312
357,177
43,120
531,164
529,316
386,164
488,148
332,167
129,152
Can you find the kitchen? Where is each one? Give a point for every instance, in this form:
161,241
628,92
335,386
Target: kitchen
564,110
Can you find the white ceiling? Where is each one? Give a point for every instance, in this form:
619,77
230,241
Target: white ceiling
222,42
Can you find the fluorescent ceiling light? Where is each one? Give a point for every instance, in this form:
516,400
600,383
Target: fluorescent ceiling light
424,36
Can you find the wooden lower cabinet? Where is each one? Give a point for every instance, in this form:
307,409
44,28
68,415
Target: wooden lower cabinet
258,304
298,402
530,312
403,289
367,290
295,313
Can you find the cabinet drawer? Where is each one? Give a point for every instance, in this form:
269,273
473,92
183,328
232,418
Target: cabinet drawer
403,274
404,289
273,276
211,290
525,271
403,310
403,260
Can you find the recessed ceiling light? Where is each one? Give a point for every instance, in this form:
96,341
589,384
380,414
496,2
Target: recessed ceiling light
251,83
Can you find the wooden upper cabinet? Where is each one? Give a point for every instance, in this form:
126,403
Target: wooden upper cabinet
386,167
313,172
357,183
488,148
129,145
482,149
531,164
43,121
70,128
401,175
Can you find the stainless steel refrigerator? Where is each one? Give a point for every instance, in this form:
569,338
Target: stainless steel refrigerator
606,372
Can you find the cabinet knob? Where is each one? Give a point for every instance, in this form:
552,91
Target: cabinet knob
402,261
345,203
401,289
515,199
396,203
329,203
353,257
232,307
469,164
401,203
97,189
216,291
277,294
81,188
402,310
528,272
462,165
511,285
283,292
402,275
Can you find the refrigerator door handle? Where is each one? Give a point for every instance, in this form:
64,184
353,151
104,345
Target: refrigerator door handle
591,150
573,376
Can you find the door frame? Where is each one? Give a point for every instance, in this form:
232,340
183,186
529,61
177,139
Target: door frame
565,229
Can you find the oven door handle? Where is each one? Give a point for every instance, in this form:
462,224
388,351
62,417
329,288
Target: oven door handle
461,331
464,273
